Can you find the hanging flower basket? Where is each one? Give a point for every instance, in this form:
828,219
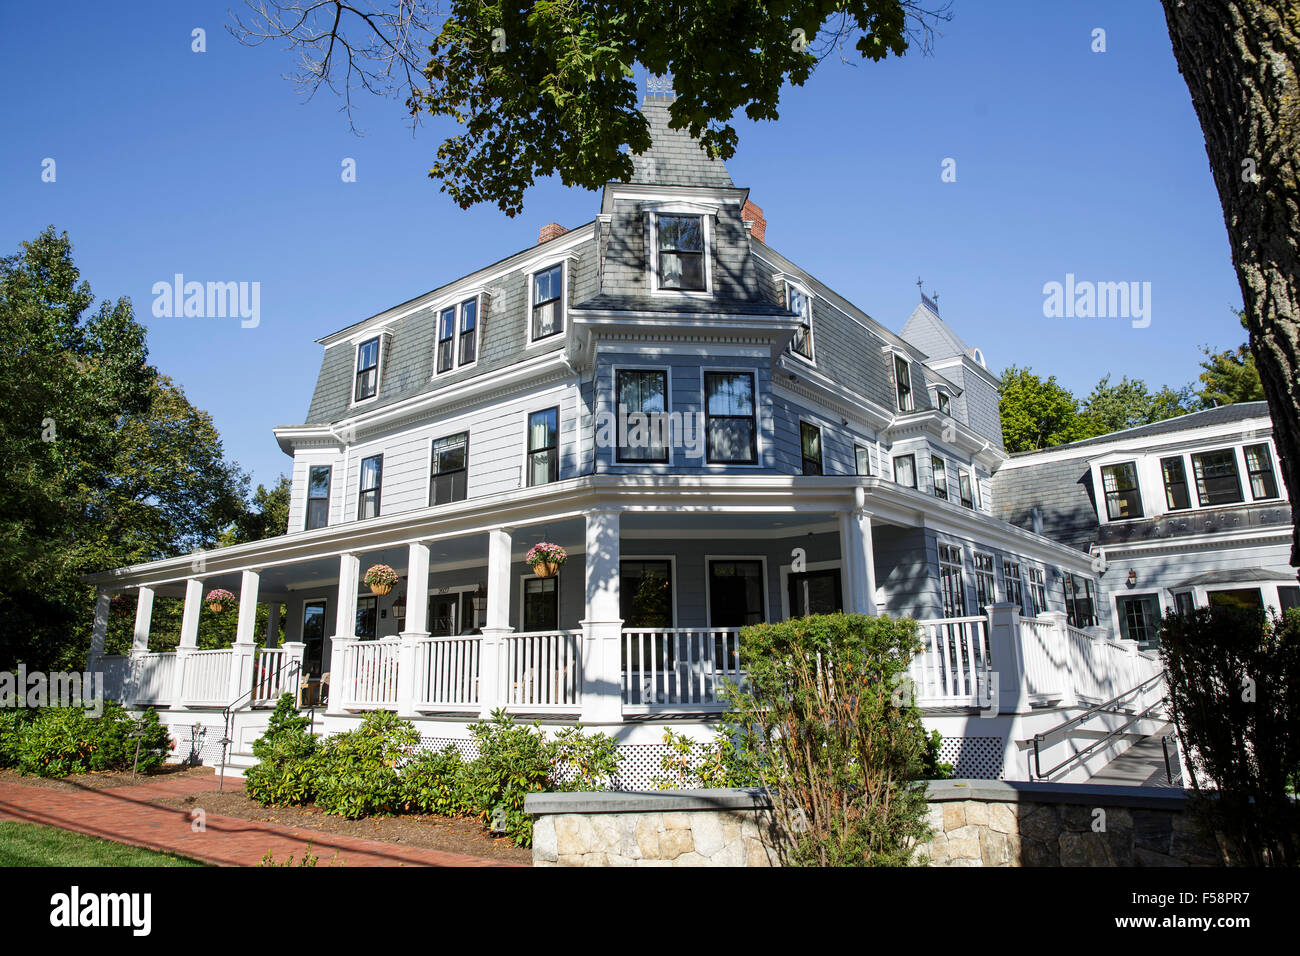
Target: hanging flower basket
546,559
218,598
380,578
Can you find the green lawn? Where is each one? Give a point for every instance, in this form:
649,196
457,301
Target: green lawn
27,844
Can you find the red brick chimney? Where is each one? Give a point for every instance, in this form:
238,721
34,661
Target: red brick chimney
550,231
753,214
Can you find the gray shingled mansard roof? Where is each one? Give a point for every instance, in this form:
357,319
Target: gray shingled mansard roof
674,159
1221,415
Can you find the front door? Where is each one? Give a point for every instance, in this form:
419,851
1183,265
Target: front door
442,614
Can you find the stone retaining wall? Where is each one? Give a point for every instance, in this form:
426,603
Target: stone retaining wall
975,822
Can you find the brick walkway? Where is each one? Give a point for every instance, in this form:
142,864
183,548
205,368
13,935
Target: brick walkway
129,815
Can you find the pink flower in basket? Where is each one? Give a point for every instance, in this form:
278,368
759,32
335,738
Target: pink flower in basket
380,578
546,558
218,598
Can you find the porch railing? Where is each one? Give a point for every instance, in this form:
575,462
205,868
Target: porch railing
954,665
116,669
153,678
1046,658
679,666
207,678
271,675
368,675
447,673
542,670
1101,669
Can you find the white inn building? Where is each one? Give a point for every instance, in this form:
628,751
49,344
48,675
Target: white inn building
715,436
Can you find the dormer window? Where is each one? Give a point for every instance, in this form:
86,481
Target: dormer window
1123,497
681,253
903,383
943,402
548,302
457,336
367,379
800,303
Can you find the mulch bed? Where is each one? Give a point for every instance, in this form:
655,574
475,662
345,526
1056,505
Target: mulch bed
105,780
450,834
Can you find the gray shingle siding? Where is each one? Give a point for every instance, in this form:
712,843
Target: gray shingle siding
674,158
1062,493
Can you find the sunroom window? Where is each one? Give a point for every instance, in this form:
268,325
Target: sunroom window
1217,481
1259,466
681,252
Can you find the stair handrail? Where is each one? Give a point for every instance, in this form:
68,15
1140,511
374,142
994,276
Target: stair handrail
1079,718
228,712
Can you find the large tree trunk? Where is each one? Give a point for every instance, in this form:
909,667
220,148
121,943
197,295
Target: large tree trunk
1239,59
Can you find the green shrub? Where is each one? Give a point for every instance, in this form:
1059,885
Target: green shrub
514,760
436,783
720,762
356,773
57,741
584,761
286,771
11,724
841,753
1234,696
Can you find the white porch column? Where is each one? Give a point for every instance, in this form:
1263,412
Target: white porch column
858,562
273,624
602,699
189,636
103,604
143,618
245,646
497,625
345,629
416,626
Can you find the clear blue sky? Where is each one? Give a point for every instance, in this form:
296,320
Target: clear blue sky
210,164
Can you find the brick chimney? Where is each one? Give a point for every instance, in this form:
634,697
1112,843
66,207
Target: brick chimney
754,216
550,231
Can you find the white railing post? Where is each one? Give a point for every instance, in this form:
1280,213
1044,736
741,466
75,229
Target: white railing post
294,654
1008,660
602,699
1061,641
189,638
497,625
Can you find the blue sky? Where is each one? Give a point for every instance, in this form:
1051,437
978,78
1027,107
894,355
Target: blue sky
211,165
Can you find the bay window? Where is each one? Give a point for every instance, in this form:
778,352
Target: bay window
729,412
642,397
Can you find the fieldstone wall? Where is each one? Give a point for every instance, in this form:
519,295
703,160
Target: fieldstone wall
976,823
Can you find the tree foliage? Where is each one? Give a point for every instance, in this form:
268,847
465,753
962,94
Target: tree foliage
549,87
1036,413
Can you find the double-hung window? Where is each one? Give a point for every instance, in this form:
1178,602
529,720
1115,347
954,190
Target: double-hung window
905,470
1259,468
681,253
985,581
800,303
903,383
1011,581
951,588
730,421
1217,481
468,331
940,475
449,472
541,604
942,401
318,496
862,459
367,379
447,340
1079,607
810,440
642,397
1037,591
544,446
372,474
965,489
1123,497
1175,477
548,303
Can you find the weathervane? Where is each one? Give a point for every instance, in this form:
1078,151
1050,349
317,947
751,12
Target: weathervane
657,84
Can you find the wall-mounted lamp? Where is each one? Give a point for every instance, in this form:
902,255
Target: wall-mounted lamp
1132,578
399,608
480,599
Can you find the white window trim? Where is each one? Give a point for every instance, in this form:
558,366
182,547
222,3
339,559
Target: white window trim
786,570
916,479
379,508
867,448
707,216
381,338
974,488
668,404
563,334
940,390
934,484
758,421
812,344
672,573
307,499
708,597
894,354
479,296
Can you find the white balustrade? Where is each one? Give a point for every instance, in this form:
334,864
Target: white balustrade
1046,658
207,678
953,667
541,670
152,675
672,667
368,676
447,673
116,671
271,676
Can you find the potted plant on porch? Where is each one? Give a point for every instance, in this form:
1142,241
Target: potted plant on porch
217,600
546,559
380,578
